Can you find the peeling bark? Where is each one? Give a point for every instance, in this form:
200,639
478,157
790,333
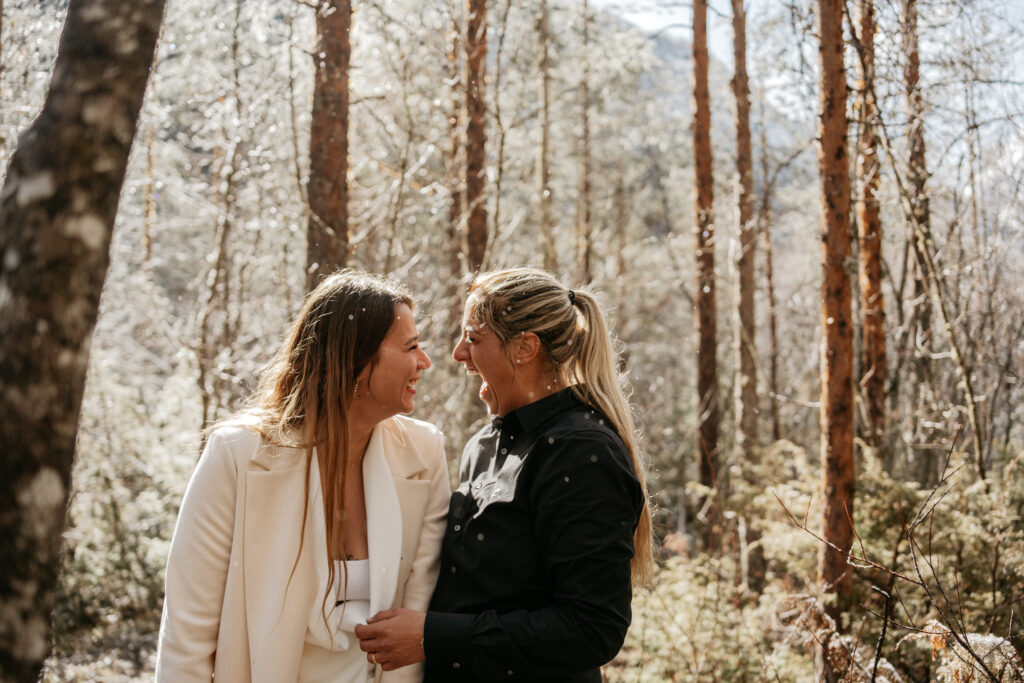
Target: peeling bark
56,217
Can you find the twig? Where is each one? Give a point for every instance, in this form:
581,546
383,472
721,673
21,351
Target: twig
849,555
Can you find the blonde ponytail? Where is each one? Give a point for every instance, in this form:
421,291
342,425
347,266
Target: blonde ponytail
597,382
576,338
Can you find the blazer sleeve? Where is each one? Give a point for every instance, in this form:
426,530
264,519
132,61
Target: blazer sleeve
197,567
427,563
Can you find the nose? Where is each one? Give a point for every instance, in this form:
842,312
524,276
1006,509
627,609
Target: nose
424,361
461,351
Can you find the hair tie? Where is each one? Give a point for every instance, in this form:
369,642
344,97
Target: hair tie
572,298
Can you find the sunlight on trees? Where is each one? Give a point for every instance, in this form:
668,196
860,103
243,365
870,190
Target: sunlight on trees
555,133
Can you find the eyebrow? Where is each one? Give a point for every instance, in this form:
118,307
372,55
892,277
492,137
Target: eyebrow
411,339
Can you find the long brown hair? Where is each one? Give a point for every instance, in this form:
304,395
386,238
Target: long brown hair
305,391
581,349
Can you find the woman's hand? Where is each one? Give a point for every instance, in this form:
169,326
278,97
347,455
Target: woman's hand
393,638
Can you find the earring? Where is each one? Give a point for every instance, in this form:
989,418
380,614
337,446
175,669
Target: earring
355,389
519,360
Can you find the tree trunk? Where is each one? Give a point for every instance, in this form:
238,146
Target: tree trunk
920,235
584,245
327,231
456,187
56,218
707,367
765,222
929,277
869,224
752,559
2,65
547,235
476,133
747,376
837,446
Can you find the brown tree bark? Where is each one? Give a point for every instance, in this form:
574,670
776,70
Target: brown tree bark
584,242
764,222
456,186
707,365
747,377
327,231
547,234
57,214
2,65
476,133
837,446
751,554
869,225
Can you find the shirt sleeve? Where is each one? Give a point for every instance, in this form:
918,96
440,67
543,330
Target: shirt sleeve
586,502
197,567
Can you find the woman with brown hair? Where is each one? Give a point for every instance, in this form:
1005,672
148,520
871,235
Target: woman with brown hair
317,507
550,525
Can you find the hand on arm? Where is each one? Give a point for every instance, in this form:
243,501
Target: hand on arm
393,638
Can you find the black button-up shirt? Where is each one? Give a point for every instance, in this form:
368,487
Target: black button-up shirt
535,575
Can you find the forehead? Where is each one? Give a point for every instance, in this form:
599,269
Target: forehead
404,321
477,327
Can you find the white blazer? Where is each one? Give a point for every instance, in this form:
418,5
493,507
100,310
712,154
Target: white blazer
231,610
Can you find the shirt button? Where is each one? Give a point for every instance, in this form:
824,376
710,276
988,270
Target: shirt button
453,570
456,665
457,527
511,672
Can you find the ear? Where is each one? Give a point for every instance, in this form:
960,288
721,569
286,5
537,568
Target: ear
526,348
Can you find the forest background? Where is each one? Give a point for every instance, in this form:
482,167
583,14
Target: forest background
623,175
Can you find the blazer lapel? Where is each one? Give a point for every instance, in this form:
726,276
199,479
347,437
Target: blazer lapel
383,522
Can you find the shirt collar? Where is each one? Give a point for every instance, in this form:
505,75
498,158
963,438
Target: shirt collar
533,415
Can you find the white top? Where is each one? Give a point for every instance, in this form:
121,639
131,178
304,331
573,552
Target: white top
358,584
330,654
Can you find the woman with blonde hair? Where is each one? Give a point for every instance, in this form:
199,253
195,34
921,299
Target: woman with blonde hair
550,525
316,508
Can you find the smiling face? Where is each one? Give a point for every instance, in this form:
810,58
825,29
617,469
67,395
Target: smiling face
483,354
388,384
